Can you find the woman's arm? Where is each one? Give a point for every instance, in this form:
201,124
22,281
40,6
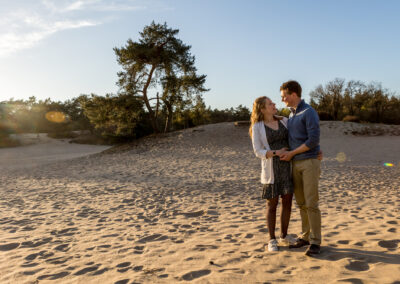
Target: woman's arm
259,149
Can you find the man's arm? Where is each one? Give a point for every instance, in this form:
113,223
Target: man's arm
313,132
289,155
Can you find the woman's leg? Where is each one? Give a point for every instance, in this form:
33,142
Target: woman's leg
271,215
285,213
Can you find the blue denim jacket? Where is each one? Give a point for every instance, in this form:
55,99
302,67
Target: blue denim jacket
303,126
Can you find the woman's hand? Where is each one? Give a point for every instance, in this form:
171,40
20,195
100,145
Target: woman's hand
280,152
269,154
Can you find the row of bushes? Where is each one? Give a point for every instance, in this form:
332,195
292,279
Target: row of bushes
109,119
356,101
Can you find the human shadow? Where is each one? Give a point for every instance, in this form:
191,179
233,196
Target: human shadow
360,258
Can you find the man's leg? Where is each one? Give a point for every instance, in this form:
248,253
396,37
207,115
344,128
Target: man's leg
311,175
298,169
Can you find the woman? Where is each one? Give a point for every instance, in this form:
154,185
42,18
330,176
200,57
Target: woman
269,135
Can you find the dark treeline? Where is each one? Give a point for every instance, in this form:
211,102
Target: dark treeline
356,101
33,116
114,117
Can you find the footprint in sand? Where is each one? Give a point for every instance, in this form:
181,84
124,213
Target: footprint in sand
331,234
58,260
204,247
234,270
123,281
63,248
195,274
391,244
54,276
30,244
87,269
64,232
44,254
352,280
101,271
190,214
103,246
10,246
30,264
153,238
123,267
32,272
357,266
138,268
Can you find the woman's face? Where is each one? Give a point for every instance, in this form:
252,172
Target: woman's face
269,108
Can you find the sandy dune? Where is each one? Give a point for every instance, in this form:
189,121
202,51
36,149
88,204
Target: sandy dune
40,149
187,208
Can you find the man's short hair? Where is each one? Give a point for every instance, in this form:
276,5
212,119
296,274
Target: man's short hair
292,87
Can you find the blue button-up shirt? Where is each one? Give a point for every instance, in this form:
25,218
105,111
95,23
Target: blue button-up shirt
303,126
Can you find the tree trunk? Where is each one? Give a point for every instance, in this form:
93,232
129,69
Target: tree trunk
168,122
153,115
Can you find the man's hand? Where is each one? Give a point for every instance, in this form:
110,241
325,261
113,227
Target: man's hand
320,155
280,152
287,156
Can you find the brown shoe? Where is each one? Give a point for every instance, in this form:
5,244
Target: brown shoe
299,243
313,249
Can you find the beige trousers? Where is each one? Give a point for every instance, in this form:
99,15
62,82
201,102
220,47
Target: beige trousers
305,178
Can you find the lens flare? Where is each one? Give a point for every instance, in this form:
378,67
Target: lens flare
55,116
341,157
388,165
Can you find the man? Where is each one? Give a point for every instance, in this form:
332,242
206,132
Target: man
303,127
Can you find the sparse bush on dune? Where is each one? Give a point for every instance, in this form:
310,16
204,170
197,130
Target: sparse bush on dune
351,118
6,141
63,135
324,115
91,139
377,130
369,131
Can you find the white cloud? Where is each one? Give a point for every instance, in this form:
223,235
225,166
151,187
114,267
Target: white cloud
92,5
15,41
77,5
23,28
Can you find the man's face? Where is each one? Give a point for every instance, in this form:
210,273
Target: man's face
288,99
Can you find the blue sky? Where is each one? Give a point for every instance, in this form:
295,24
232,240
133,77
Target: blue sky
61,49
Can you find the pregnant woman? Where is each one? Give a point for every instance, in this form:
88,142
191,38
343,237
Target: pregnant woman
269,135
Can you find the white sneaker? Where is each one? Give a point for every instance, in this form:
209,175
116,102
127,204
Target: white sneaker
288,240
273,245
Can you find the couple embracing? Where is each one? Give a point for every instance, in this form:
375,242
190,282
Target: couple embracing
290,158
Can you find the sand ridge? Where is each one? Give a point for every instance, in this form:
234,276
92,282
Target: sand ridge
187,208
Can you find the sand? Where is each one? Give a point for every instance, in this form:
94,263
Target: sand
187,208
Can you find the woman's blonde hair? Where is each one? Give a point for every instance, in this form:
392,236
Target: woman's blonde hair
256,114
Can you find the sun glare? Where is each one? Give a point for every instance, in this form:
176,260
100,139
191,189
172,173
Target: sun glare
341,157
55,116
